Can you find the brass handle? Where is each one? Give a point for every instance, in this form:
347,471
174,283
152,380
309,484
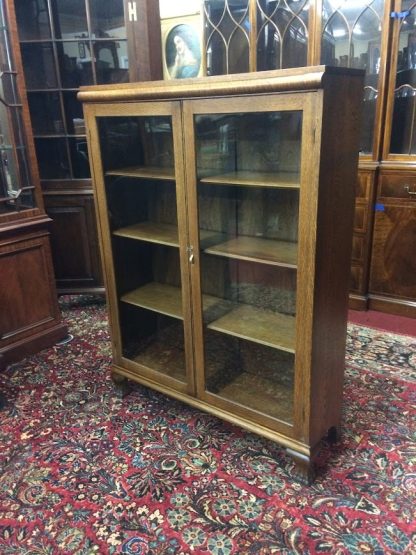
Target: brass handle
407,188
191,256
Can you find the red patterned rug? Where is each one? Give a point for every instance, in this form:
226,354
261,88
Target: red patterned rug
85,471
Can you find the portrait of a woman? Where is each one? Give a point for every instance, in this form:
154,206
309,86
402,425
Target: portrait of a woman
183,52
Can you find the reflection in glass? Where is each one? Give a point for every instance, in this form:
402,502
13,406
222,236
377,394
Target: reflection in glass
111,61
248,200
107,19
140,188
227,36
52,157
403,136
79,158
73,114
70,18
75,71
352,38
45,112
282,33
32,20
39,65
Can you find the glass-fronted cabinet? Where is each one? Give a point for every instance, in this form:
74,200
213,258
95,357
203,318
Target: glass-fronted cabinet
226,267
16,189
30,319
62,49
66,44
393,265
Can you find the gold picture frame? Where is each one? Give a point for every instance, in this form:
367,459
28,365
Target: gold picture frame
182,47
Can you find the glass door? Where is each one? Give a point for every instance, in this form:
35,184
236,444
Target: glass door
247,197
141,189
17,192
351,36
402,100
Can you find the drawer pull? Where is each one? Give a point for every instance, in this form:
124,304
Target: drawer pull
407,188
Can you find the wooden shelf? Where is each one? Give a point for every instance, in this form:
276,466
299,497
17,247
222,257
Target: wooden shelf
163,234
158,297
286,180
261,326
163,352
165,299
258,249
261,395
149,172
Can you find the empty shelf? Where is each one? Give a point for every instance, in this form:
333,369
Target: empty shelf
164,234
261,326
149,172
159,297
258,249
165,299
284,180
261,395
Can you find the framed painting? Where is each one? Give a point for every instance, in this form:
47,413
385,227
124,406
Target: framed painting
182,47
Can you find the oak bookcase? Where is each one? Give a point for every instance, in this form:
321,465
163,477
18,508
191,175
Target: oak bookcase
225,210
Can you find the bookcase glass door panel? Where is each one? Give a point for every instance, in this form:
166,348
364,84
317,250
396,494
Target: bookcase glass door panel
227,36
16,188
403,135
66,44
248,169
351,37
282,33
140,188
33,20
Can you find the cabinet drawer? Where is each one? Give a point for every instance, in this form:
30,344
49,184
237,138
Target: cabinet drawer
398,186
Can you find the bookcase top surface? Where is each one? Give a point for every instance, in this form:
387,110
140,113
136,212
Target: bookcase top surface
294,79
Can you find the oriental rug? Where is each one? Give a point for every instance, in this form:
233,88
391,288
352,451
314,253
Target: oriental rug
87,470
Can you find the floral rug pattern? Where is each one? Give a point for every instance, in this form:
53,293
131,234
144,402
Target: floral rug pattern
85,469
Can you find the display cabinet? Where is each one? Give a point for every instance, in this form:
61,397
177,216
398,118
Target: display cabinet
225,212
66,44
393,268
29,317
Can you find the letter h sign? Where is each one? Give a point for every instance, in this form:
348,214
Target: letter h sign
132,11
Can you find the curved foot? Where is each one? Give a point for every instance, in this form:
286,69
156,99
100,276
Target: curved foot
122,384
333,435
118,379
304,468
